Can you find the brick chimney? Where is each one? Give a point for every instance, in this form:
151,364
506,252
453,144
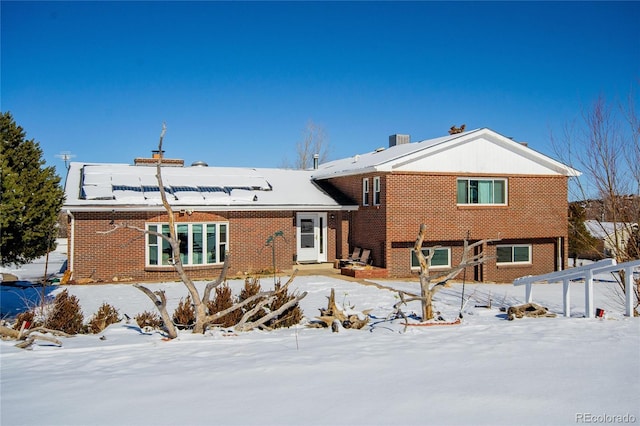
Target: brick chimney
158,155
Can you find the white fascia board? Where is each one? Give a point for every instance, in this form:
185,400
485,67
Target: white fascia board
349,172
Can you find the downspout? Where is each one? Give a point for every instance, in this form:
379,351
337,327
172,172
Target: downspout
560,251
71,244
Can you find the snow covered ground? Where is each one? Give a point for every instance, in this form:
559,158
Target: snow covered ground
486,371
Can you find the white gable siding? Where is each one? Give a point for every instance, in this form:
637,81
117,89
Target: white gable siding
480,156
476,151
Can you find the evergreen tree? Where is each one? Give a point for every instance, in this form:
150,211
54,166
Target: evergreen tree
580,240
31,197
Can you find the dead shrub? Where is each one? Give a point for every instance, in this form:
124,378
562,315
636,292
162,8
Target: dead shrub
149,319
251,288
28,317
222,300
185,315
105,316
65,315
291,316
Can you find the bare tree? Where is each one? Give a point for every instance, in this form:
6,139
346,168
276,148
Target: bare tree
430,284
202,316
604,146
314,142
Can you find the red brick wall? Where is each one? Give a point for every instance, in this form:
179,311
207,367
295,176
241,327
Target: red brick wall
536,212
368,226
120,255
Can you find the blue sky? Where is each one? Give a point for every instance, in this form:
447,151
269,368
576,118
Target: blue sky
236,83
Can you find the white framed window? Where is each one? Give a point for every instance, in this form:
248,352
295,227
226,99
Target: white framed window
513,254
441,258
376,191
482,191
200,243
365,191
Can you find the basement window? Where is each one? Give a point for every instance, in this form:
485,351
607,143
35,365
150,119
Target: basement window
200,244
441,258
513,254
482,191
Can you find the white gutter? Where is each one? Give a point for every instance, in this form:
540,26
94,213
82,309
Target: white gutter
201,208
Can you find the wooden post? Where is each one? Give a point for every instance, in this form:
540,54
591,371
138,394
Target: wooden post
588,294
566,297
628,291
529,293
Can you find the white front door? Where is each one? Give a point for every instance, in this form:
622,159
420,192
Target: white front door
312,237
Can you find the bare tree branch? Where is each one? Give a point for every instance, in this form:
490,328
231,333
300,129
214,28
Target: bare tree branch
221,278
159,299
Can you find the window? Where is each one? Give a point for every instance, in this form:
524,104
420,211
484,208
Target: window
376,191
513,254
200,243
482,191
441,258
365,191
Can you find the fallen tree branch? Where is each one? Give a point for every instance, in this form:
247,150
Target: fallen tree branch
531,310
251,325
30,340
27,337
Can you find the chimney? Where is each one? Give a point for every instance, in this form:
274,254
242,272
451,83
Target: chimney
315,161
153,161
398,140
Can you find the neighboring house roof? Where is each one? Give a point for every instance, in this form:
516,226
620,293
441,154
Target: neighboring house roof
602,230
95,187
475,151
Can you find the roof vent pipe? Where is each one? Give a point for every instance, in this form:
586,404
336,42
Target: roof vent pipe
315,161
398,139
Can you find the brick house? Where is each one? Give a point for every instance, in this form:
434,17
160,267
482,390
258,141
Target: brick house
477,184
217,209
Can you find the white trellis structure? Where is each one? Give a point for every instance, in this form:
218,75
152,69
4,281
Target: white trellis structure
585,273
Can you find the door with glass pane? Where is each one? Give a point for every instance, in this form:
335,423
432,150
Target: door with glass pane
311,237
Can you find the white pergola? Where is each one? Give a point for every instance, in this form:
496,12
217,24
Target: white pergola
585,273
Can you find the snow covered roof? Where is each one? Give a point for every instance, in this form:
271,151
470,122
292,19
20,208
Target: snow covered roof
475,151
602,230
92,186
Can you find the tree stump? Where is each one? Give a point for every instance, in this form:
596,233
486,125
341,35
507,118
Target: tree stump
334,316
